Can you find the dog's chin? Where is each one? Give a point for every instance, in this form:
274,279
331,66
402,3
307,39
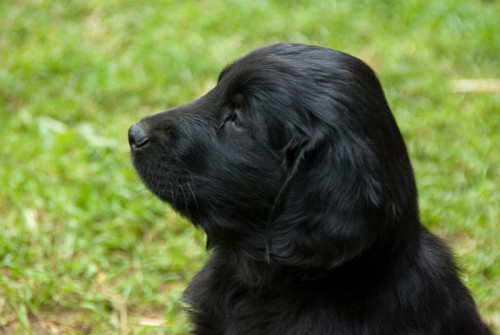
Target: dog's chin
178,197
177,194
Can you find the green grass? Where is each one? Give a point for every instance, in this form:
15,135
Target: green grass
85,249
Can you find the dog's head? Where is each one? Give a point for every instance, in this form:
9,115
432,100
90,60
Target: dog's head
294,156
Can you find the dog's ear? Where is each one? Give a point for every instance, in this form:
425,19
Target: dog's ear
345,189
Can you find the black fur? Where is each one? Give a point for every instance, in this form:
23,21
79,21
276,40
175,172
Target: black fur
295,168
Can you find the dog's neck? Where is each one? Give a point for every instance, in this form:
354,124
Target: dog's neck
250,269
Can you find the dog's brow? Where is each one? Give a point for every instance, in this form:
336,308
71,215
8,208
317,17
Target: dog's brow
223,73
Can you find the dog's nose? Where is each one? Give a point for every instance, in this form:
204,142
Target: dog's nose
137,136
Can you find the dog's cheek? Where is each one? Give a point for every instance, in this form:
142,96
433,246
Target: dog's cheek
276,135
276,139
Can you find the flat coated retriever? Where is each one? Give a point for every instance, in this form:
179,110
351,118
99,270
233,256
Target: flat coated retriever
295,168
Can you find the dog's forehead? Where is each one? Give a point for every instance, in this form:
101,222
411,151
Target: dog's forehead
271,57
296,61
248,66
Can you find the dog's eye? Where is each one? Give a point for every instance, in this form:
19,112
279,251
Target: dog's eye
234,119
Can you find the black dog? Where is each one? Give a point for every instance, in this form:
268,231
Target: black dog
295,168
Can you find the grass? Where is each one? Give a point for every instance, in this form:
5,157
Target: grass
85,249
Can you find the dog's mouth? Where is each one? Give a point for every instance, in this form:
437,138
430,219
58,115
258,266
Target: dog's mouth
163,178
177,190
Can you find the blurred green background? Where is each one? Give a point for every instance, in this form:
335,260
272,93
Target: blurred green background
85,248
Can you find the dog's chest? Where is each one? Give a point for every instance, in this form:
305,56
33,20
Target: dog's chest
222,307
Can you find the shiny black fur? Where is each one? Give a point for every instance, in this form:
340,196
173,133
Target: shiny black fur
295,168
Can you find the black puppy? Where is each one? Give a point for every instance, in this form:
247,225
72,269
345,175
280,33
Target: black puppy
295,168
